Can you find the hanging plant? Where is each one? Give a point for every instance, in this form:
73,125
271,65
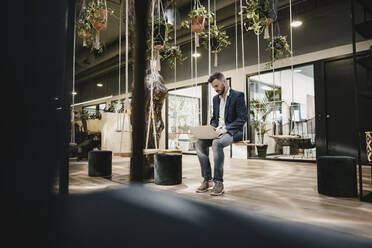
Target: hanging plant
281,48
256,12
171,55
219,40
198,21
161,31
84,27
98,17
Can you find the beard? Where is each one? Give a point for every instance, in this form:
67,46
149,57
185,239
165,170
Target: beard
222,91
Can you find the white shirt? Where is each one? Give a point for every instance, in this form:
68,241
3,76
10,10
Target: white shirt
221,119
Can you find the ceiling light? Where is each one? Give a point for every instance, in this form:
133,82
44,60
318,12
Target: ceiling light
196,55
74,93
266,87
296,24
297,70
99,84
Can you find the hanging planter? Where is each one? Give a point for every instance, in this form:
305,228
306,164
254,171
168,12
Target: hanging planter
219,41
83,26
171,55
159,35
98,16
198,17
281,48
256,12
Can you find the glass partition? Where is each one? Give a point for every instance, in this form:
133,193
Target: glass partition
282,113
184,111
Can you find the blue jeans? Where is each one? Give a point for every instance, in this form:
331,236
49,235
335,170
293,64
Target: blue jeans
202,150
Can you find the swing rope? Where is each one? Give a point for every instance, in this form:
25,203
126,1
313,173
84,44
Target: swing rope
236,36
292,70
119,81
209,61
245,131
175,40
215,25
154,73
73,84
273,60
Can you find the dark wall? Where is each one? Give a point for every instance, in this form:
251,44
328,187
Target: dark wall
337,133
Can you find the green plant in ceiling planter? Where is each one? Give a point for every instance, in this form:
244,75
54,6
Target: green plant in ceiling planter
161,32
198,17
98,17
256,12
84,27
281,48
171,55
219,40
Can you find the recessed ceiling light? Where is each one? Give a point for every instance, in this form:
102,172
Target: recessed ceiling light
196,55
297,70
296,23
99,85
74,93
266,87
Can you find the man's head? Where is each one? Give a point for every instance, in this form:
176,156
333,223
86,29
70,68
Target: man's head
218,82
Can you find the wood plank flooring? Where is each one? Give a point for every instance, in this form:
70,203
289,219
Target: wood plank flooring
286,190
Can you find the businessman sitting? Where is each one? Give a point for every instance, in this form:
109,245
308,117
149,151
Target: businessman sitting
229,116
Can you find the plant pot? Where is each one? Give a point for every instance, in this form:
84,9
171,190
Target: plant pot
83,34
261,151
159,36
98,25
197,24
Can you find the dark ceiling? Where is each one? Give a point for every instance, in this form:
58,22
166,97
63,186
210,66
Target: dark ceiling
89,65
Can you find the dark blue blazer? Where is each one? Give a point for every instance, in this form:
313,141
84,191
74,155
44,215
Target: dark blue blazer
235,113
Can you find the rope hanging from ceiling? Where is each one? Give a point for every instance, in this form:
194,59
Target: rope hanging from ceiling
72,139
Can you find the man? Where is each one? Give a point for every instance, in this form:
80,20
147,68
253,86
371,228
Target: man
229,116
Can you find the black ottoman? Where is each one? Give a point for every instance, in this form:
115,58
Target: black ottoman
168,168
337,176
100,163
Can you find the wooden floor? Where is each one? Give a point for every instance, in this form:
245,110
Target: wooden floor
286,190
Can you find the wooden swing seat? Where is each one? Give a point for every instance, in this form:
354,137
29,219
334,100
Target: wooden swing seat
147,152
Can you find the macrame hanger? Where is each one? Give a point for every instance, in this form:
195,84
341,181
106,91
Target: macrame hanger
197,5
153,76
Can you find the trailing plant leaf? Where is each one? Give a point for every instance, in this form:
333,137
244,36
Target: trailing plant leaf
256,12
171,54
281,48
221,38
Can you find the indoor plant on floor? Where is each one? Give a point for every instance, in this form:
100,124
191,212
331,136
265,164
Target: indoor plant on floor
259,111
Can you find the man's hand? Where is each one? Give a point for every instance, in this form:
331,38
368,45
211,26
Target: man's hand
221,131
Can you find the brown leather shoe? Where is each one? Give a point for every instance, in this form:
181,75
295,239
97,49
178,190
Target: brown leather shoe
205,185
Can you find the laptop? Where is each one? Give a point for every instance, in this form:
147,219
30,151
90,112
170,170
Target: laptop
204,132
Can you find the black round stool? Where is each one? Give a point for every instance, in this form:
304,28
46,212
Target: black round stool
100,163
168,168
337,176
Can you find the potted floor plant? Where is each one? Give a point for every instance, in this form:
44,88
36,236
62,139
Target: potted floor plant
219,40
259,111
281,48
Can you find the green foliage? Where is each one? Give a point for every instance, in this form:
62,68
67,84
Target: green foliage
86,19
201,11
221,37
256,12
96,115
281,48
171,54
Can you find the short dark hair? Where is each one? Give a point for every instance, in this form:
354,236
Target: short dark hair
216,75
